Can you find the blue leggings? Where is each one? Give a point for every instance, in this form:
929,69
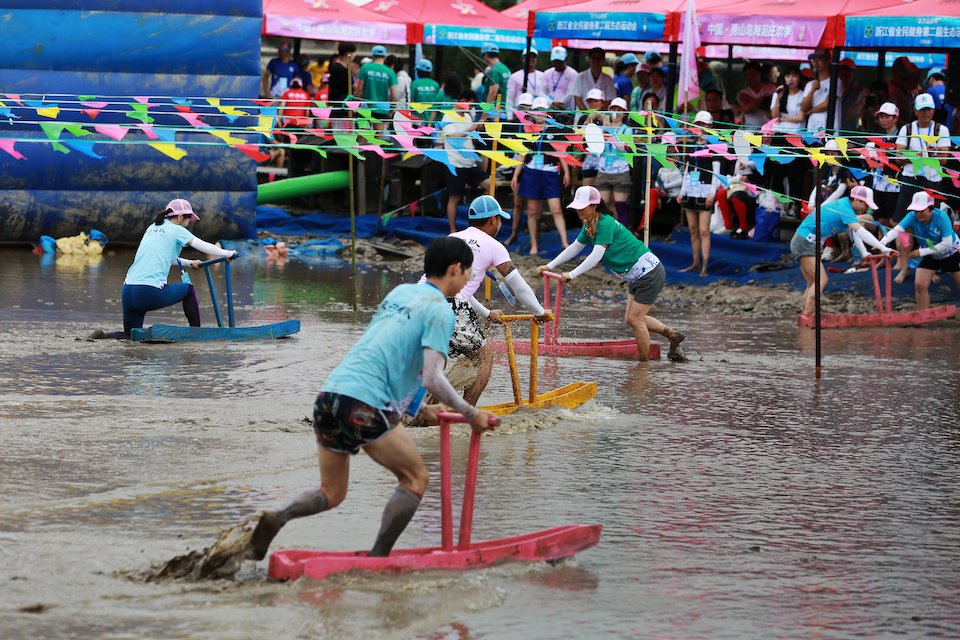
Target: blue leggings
137,299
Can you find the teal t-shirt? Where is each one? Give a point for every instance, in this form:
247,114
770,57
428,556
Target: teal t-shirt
424,90
623,248
377,80
158,248
384,369
931,233
499,74
834,218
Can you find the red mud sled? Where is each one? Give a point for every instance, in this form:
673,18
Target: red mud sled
552,346
884,317
548,545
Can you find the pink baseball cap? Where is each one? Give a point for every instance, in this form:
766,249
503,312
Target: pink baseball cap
584,197
864,194
921,200
181,207
890,109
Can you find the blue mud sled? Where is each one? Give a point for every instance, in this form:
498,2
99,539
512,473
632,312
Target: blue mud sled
178,333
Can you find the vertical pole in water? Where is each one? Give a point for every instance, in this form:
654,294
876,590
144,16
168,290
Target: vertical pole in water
512,359
647,187
469,491
226,271
213,296
446,500
817,267
556,311
534,339
353,210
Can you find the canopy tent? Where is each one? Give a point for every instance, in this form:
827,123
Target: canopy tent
467,23
921,24
335,20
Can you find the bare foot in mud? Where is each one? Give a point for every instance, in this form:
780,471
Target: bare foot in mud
676,354
703,273
690,269
266,530
902,276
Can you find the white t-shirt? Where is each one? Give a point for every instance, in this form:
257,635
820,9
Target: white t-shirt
487,252
585,82
909,137
793,109
456,125
757,117
819,120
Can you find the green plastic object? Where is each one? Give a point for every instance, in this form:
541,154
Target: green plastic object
303,186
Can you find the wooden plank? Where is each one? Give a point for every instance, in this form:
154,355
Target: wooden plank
177,333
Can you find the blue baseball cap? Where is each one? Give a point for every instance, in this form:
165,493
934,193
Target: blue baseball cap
489,47
379,51
486,207
425,65
629,58
652,56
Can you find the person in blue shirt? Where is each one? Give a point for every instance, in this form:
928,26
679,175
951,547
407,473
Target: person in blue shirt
835,217
401,355
941,251
279,73
146,288
623,82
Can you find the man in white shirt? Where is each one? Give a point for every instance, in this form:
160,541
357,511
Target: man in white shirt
816,95
558,81
593,78
535,81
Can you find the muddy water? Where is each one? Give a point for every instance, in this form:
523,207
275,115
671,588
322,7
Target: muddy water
738,497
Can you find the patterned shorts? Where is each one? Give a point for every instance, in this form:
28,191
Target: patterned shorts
344,424
468,332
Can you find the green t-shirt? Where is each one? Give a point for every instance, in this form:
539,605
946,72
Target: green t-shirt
424,90
623,248
499,74
377,80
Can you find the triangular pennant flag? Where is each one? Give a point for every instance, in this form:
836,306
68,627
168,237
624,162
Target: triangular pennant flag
7,145
753,139
193,119
500,158
309,147
148,131
165,134
49,112
842,144
168,149
420,107
84,146
77,130
514,145
52,129
59,147
796,141
93,113
112,131
377,149
226,137
759,160
348,143
254,152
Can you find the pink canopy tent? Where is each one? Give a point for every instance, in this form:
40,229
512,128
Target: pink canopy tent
459,13
335,20
522,10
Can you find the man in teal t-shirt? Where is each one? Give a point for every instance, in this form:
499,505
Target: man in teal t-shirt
377,83
424,89
496,77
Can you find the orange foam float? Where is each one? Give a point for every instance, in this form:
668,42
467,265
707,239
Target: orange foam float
553,346
548,545
885,316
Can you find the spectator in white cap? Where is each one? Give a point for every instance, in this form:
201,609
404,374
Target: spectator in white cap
699,193
613,176
886,187
925,139
591,161
937,244
534,78
558,81
146,288
836,217
377,84
629,259
593,78
542,176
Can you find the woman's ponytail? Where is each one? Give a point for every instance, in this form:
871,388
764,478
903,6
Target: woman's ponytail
161,217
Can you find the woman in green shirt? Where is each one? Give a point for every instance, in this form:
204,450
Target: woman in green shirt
629,259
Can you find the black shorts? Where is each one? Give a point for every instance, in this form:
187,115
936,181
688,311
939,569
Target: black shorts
693,204
950,264
457,184
646,288
344,424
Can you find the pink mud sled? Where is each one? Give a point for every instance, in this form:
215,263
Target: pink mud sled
884,317
549,545
552,346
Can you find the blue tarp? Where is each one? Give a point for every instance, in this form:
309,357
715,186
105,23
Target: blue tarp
730,260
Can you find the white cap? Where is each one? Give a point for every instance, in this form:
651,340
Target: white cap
540,103
703,117
595,94
525,100
924,101
618,102
831,145
558,53
890,109
921,200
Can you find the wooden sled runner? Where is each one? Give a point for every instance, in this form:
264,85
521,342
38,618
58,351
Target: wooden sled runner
553,346
548,545
179,333
884,317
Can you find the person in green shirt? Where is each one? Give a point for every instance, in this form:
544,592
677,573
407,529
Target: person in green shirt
495,77
377,83
424,89
629,259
